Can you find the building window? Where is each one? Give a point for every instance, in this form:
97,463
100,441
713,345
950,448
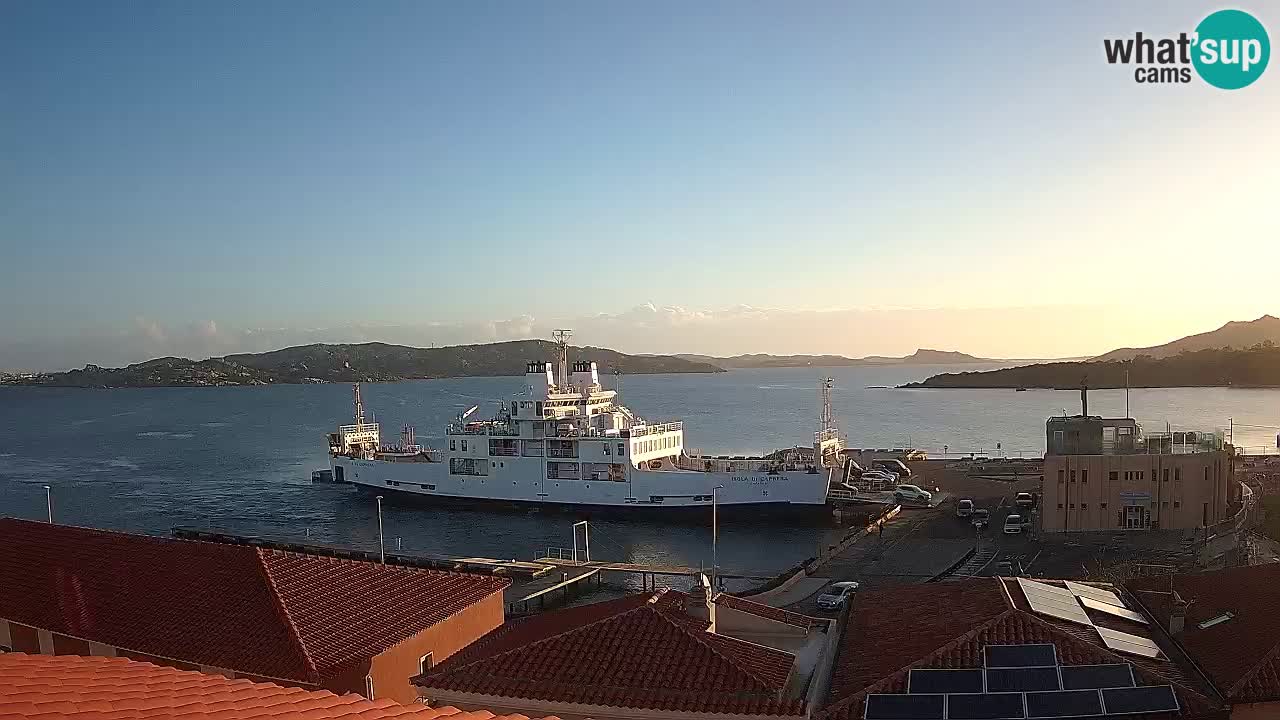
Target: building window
453,444
1177,503
607,449
464,446
1072,507
622,449
1102,505
1084,506
368,686
1166,474
1059,506
1073,476
425,663
1164,504
1113,476
1061,473
1084,476
1177,474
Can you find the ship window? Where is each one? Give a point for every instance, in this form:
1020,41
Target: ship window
606,448
427,487
453,444
622,449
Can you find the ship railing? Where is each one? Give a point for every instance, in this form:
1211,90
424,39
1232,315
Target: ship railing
560,554
637,432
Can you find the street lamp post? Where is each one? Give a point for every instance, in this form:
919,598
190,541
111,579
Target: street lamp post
48,502
715,537
382,548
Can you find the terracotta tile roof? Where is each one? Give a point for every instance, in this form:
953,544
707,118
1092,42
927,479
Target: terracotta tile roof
1241,656
262,612
37,687
640,651
947,625
766,611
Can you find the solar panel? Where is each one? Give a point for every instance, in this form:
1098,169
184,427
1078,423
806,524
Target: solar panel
929,680
1054,602
1035,655
1063,704
988,706
1094,593
1022,679
1154,698
1088,677
905,707
1114,610
1127,643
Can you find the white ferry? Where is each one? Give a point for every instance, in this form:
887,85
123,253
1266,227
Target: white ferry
568,443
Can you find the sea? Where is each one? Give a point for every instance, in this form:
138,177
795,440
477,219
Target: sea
239,459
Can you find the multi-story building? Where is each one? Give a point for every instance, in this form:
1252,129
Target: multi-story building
1105,474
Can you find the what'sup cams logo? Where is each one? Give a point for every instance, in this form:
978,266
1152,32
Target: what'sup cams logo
1229,49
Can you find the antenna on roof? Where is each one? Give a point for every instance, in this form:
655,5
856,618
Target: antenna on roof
359,405
562,356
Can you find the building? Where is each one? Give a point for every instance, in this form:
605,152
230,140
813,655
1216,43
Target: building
236,610
653,654
984,642
39,687
1228,624
1105,474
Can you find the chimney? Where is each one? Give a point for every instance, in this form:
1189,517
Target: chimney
698,604
1178,615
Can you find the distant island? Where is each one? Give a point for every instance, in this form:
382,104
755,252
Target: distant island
364,362
1236,334
761,360
1258,366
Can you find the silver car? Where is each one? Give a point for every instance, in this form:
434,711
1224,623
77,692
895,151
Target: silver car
836,595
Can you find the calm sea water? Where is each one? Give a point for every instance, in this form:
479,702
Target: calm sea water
241,458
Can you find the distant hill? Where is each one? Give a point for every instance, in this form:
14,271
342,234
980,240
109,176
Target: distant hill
365,362
1235,334
1256,367
762,360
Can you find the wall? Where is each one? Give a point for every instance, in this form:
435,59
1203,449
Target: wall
1256,711
1178,491
392,669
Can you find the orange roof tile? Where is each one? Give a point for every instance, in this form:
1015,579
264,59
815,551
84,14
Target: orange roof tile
950,623
40,687
640,651
262,612
1241,655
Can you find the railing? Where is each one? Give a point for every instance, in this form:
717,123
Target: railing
656,429
561,554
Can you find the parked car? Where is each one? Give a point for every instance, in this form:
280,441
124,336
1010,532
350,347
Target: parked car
892,465
964,508
912,492
879,476
1013,525
1025,501
837,594
981,518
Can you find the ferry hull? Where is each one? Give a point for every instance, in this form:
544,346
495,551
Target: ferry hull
516,484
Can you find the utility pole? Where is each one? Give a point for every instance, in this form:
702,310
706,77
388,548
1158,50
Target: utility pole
382,548
715,537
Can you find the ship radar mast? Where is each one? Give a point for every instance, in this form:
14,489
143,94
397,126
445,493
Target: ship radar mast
562,357
828,419
359,406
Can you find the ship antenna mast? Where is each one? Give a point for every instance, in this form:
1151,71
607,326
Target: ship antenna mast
359,405
827,421
562,357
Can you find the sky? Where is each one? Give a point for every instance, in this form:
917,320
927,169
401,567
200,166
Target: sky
719,177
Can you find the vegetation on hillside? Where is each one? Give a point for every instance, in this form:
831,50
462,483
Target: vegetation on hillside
1258,366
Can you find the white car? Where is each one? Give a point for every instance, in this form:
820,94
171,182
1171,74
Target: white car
912,492
835,596
1013,525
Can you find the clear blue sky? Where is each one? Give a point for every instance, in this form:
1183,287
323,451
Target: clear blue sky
319,165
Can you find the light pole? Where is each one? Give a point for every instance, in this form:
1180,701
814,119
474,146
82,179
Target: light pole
382,548
715,537
48,501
